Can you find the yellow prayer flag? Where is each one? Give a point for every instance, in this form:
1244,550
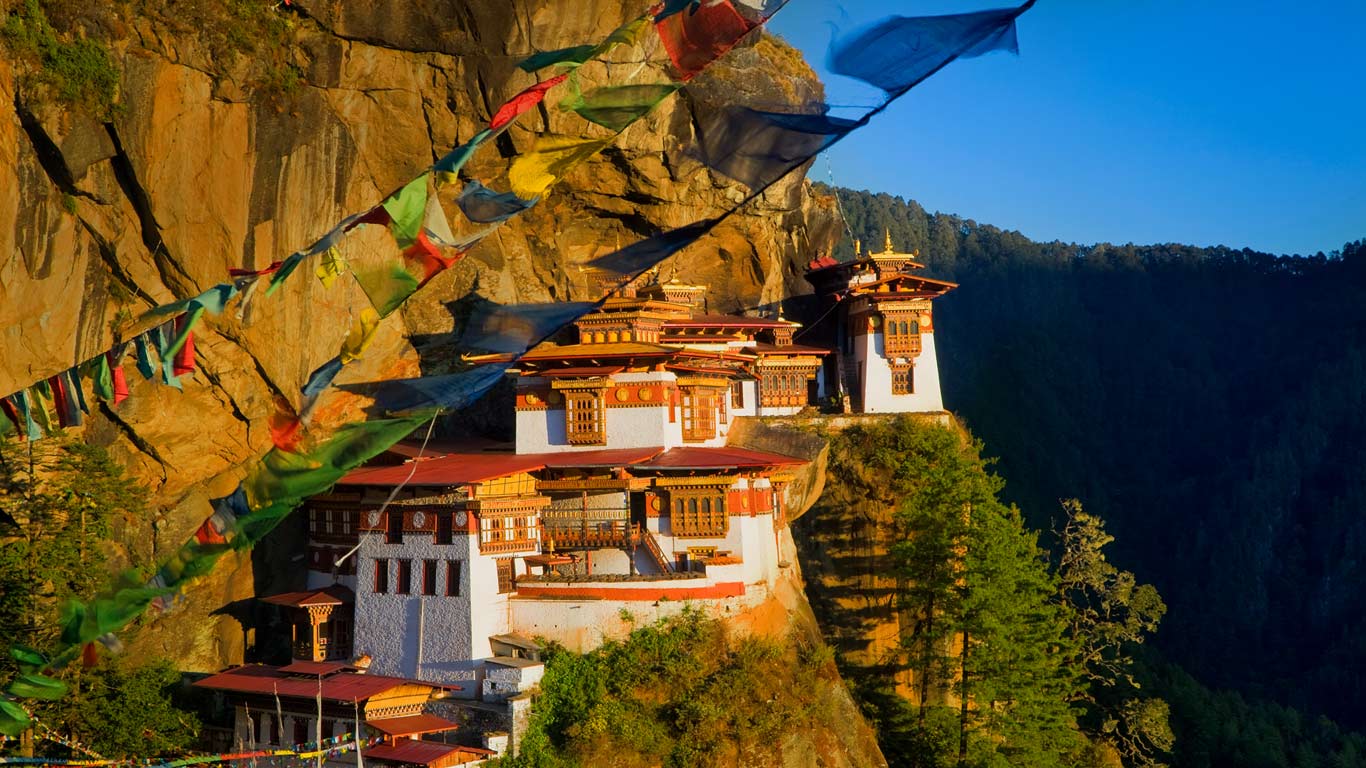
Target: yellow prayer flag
531,174
362,333
331,267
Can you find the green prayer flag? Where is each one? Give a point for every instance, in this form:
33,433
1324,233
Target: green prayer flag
41,401
284,476
617,106
406,209
27,658
387,285
13,719
286,269
32,685
579,54
102,377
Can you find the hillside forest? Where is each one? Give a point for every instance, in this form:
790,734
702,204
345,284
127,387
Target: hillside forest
1210,405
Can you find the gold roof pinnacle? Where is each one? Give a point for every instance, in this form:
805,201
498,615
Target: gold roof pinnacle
887,242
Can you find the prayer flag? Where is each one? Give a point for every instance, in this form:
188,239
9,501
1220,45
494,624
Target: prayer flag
362,333
120,384
322,378
13,719
482,205
331,268
698,37
446,168
452,391
516,328
102,376
617,106
387,285
574,56
900,51
757,148
407,208
551,157
183,361
41,396
72,378
8,424
144,356
12,413
641,255
523,101
31,685
25,410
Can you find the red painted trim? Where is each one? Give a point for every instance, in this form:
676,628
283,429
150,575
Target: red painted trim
726,589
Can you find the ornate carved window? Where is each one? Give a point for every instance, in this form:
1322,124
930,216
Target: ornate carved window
902,337
507,581
507,533
585,421
699,415
903,380
737,395
699,512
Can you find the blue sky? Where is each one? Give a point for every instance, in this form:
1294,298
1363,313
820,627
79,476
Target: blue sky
1205,121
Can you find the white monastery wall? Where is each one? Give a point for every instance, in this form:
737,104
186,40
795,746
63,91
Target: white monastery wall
877,377
443,634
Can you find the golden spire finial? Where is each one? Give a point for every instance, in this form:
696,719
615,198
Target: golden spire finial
887,243
858,247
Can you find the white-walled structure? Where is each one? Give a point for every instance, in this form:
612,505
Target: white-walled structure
880,324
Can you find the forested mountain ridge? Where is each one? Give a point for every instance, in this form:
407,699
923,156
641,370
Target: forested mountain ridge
1209,403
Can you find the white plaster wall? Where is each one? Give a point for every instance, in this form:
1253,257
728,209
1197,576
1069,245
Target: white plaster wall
877,377
614,561
634,427
453,630
582,625
750,394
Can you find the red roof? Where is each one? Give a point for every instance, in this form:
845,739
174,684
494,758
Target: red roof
717,458
333,595
602,457
453,469
349,687
727,321
448,470
412,725
411,751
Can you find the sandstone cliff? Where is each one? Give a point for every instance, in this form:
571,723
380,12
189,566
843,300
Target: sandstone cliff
201,168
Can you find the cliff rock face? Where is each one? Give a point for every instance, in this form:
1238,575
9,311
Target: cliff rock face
197,173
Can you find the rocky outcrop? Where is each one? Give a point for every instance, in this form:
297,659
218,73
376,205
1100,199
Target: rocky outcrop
196,173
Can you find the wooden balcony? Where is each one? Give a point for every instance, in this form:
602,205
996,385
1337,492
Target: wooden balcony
515,545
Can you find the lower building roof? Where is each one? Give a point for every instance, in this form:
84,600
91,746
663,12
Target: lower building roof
349,687
333,595
415,752
717,458
412,725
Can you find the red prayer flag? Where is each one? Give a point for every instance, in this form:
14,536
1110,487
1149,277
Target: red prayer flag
694,38
208,533
116,376
274,267
426,252
13,414
183,362
89,656
376,215
59,399
285,428
523,101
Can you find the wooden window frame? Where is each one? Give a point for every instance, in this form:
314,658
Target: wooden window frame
405,577
699,415
585,417
903,379
445,528
453,578
381,576
699,513
429,578
507,575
